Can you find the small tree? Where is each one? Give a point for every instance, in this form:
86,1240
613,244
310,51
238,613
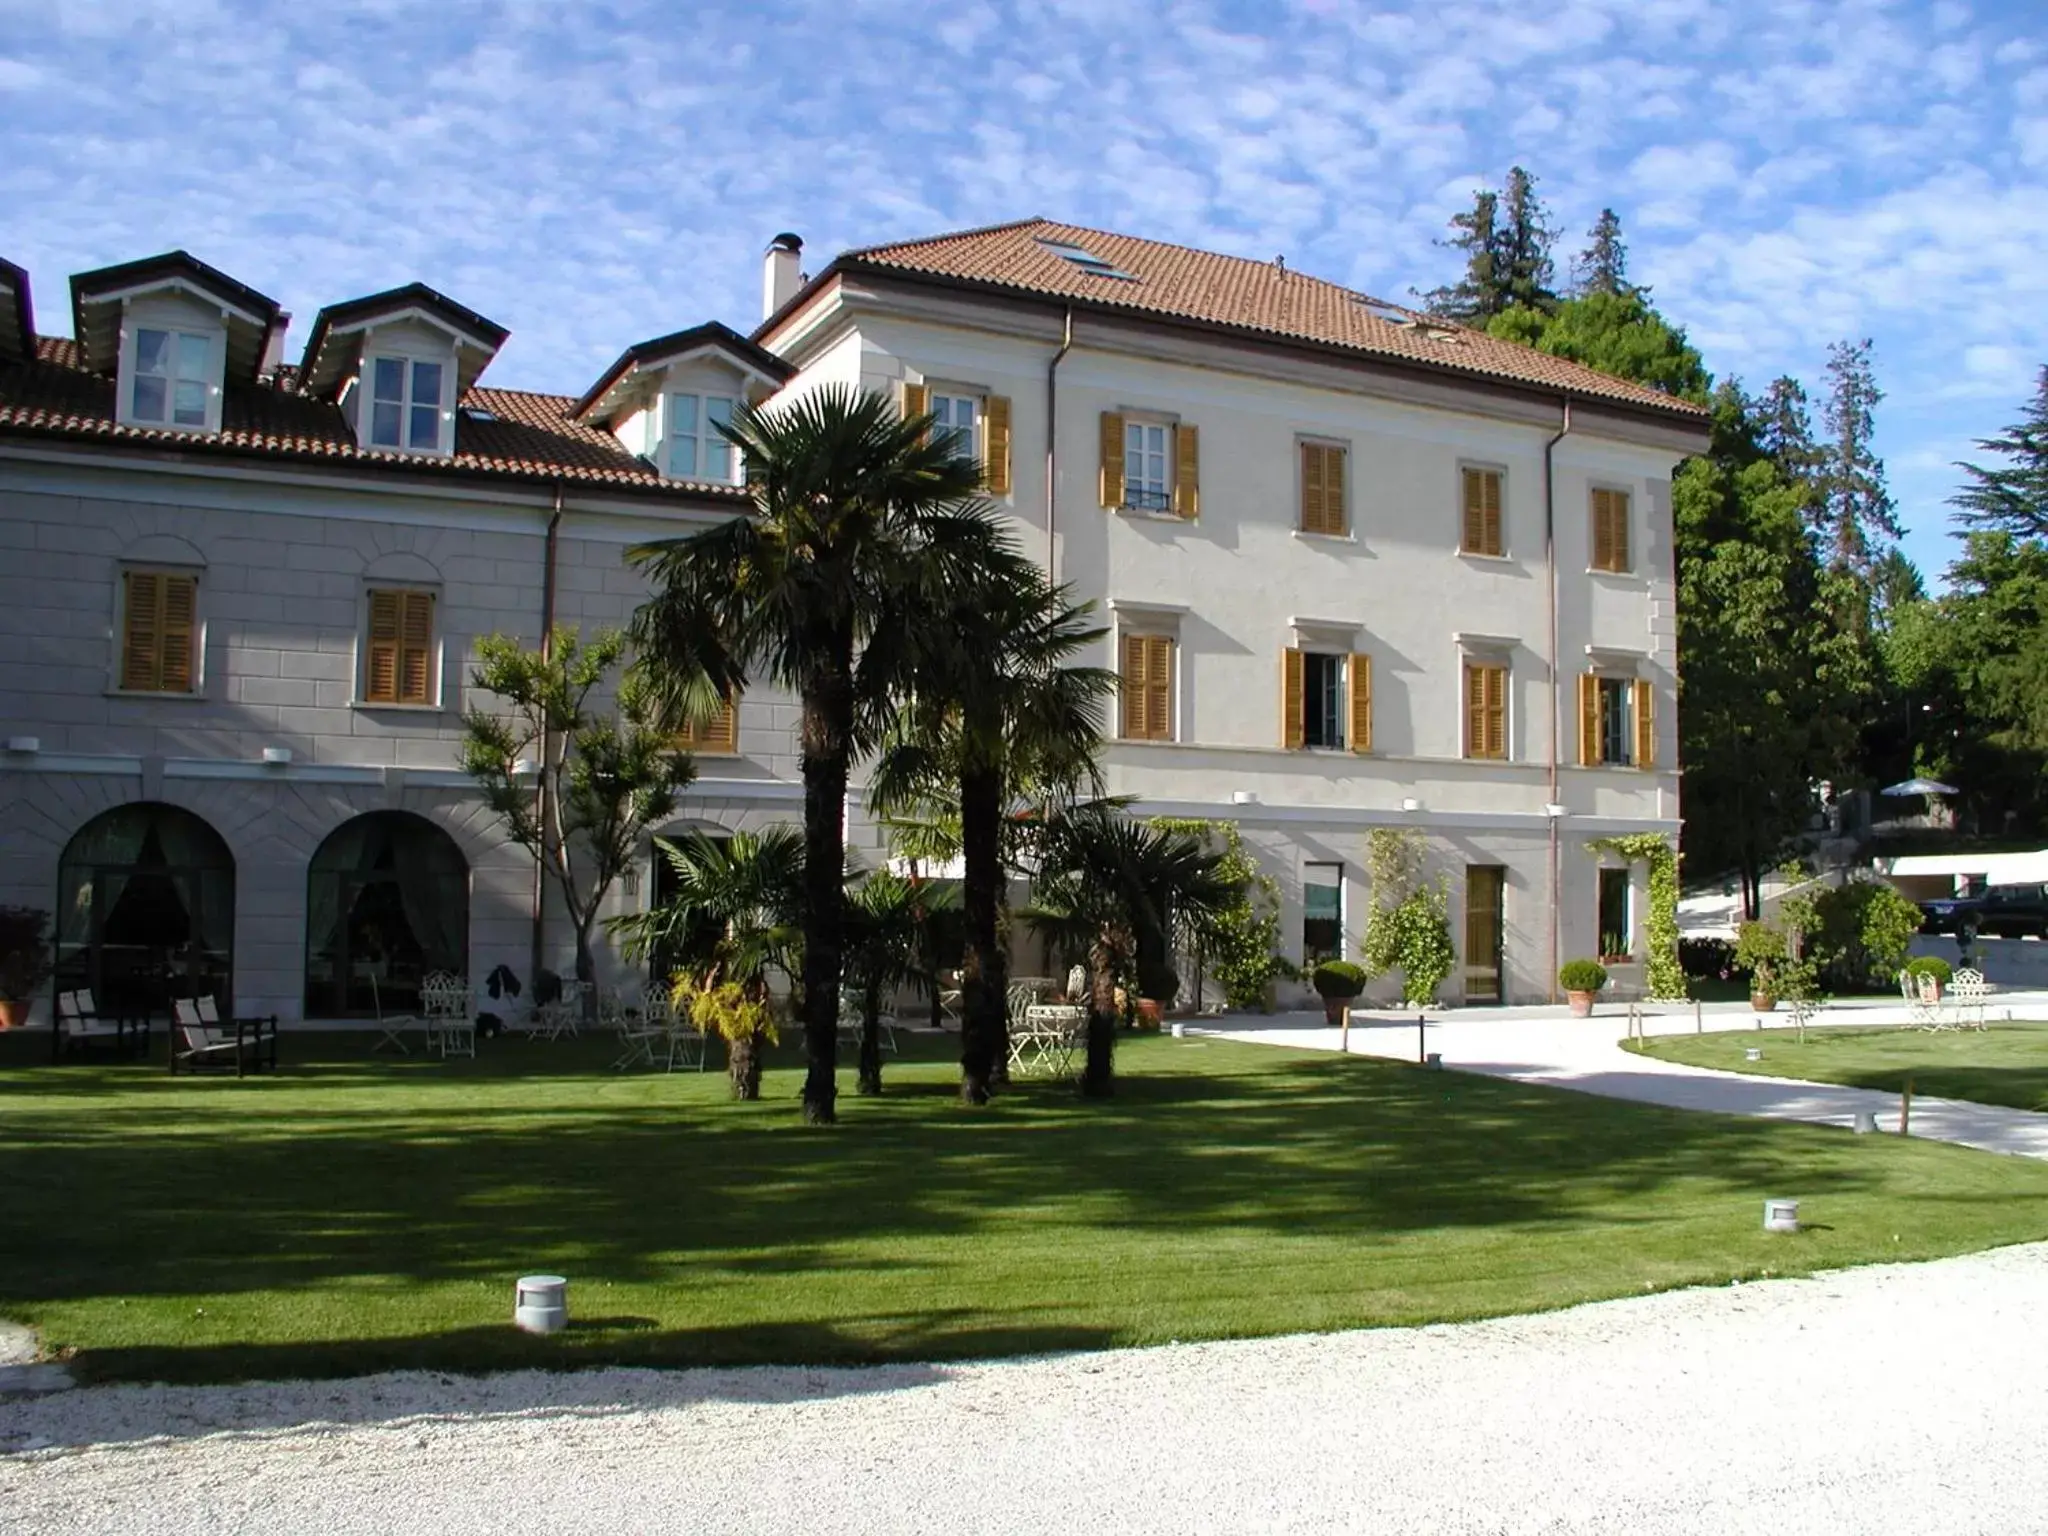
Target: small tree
887,917
1241,942
1410,927
597,782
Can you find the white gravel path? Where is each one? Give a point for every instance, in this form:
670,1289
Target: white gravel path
1907,1398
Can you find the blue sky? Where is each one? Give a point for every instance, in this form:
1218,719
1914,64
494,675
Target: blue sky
590,174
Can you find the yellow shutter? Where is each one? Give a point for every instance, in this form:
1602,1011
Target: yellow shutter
1496,711
1602,549
179,633
1333,490
1590,735
1311,488
1475,711
1482,512
1187,471
1617,536
416,648
1293,699
380,667
1159,686
719,734
1646,723
996,446
1112,488
1358,676
917,401
141,623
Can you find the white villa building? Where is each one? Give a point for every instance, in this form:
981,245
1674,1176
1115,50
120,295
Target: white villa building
1361,570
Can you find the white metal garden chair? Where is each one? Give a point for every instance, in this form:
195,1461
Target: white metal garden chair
1968,993
450,1016
1924,1008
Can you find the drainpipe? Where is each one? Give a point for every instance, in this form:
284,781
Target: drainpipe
1550,569
1052,462
540,803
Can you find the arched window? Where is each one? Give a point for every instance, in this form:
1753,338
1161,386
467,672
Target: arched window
387,902
146,910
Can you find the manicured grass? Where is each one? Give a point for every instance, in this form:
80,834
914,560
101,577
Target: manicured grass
359,1213
2005,1064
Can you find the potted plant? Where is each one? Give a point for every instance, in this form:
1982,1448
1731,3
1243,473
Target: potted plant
24,960
1582,981
1761,950
1158,985
1337,983
1930,965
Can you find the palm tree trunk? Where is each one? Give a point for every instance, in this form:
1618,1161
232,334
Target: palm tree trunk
1098,1077
743,1066
984,984
827,729
869,1079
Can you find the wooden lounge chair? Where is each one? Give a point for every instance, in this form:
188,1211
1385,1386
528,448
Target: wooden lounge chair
201,1040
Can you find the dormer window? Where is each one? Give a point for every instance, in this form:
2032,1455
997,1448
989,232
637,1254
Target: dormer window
173,379
406,407
697,450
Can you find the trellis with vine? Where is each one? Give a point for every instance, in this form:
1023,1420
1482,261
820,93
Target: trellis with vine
1660,927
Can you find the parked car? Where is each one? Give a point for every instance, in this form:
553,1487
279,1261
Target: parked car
2004,912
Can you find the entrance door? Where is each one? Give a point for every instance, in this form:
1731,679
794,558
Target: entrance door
1484,888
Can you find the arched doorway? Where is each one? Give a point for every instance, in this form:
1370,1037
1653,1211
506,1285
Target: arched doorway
146,910
387,901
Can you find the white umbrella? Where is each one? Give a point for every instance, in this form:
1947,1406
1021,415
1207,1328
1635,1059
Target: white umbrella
1919,787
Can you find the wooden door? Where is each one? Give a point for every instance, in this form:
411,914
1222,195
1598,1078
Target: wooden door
1484,888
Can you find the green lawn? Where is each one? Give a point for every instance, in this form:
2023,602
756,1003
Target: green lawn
2005,1064
359,1213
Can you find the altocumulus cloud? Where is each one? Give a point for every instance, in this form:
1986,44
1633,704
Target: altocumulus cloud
1790,172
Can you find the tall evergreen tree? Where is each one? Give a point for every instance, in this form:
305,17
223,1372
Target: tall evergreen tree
1855,516
2012,499
1526,237
1602,267
1506,238
1478,294
1785,429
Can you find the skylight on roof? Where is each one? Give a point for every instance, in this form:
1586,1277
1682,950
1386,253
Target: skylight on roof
1086,260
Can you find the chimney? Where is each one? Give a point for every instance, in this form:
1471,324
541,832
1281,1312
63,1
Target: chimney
273,347
780,278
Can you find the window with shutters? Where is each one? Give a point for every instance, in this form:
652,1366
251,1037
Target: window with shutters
160,637
1147,676
1481,532
1150,464
398,657
1323,479
718,736
1486,709
1617,721
974,422
1326,700
1610,530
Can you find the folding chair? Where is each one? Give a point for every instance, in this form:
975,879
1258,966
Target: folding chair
391,1030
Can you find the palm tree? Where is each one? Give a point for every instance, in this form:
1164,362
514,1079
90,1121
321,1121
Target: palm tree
886,919
1115,888
731,920
997,718
860,520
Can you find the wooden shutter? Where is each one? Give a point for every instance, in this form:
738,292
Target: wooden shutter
179,633
380,668
416,648
141,624
1486,689
1482,512
1187,471
719,734
1148,687
917,400
1358,678
996,445
1646,722
1610,530
1293,699
1333,490
1112,459
1591,738
1322,488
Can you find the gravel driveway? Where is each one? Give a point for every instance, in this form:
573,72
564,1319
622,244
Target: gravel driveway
1908,1398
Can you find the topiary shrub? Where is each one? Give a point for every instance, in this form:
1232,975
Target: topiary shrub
1863,930
1582,976
1338,980
1930,965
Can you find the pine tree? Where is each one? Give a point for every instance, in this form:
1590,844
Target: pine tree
1526,237
1856,516
1785,429
1476,296
2013,499
1602,267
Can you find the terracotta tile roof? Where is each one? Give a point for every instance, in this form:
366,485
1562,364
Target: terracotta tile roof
1150,277
506,433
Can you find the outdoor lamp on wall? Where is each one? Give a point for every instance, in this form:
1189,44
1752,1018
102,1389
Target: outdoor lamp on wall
24,744
1555,811
277,757
629,879
1411,805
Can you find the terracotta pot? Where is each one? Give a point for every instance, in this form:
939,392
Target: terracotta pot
1582,1004
1150,1010
13,1012
1762,1002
